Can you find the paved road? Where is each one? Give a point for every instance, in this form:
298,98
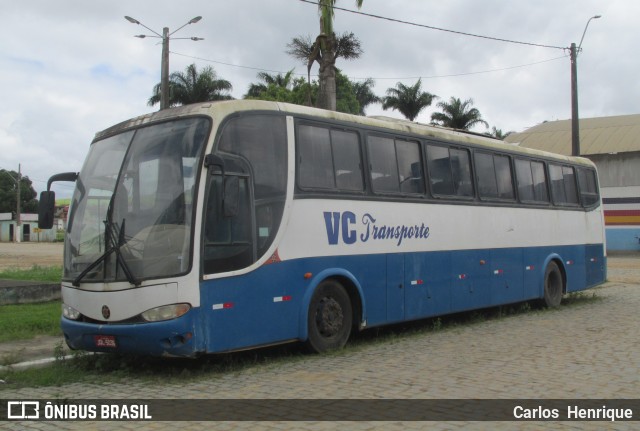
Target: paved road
590,350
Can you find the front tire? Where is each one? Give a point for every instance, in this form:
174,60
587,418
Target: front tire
553,286
330,317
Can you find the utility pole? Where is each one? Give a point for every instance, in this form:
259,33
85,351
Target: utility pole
18,221
164,73
575,121
164,67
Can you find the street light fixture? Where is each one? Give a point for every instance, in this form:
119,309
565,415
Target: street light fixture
575,122
165,36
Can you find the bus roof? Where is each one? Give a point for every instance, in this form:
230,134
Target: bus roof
220,109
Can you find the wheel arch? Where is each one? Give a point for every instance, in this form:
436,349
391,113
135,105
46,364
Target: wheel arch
350,284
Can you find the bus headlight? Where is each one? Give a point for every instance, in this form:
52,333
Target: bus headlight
70,312
166,312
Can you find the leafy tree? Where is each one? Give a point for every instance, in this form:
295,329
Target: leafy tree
346,97
409,101
325,50
457,114
364,94
300,90
280,81
192,87
8,193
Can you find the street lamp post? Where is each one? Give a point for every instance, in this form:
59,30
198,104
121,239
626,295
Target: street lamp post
164,69
575,122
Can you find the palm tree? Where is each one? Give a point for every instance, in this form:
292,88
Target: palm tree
192,87
279,80
326,49
499,134
457,115
364,94
408,100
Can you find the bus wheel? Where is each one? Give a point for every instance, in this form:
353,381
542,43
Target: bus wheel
330,317
553,286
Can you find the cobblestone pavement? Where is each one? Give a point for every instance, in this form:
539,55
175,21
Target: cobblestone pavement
586,351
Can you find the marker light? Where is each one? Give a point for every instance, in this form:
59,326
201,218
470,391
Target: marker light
166,312
70,312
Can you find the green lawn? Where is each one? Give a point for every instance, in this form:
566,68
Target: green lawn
36,273
25,321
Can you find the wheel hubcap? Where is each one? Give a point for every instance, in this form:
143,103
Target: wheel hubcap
329,317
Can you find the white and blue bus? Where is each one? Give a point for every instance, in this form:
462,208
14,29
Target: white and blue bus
223,226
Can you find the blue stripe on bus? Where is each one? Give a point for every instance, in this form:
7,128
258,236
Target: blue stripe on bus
396,287
269,305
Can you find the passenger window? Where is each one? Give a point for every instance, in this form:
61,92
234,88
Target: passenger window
503,177
495,180
410,167
461,172
347,160
531,180
449,171
588,187
439,164
563,185
315,159
384,166
485,171
524,179
329,159
396,165
540,189
570,188
557,184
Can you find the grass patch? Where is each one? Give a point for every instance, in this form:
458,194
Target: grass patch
26,321
114,368
36,273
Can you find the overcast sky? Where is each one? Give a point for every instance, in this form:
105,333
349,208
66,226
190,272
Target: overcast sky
70,68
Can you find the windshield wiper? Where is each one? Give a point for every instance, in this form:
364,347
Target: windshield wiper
115,239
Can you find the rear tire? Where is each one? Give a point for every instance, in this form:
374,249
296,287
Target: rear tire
553,286
330,317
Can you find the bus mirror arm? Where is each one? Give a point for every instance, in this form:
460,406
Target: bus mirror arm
214,160
47,203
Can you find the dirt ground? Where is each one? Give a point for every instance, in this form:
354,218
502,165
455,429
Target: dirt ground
623,268
27,254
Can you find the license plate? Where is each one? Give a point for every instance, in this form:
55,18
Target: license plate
108,341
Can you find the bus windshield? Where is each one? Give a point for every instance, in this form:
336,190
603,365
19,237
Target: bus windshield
131,213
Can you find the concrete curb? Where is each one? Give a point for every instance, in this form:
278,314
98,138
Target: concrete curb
27,292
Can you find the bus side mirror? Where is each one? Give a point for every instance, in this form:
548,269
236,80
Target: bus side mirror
46,207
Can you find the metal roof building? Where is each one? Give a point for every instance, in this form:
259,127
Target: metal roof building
613,144
603,135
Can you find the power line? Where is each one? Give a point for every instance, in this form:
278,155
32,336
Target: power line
376,78
437,28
